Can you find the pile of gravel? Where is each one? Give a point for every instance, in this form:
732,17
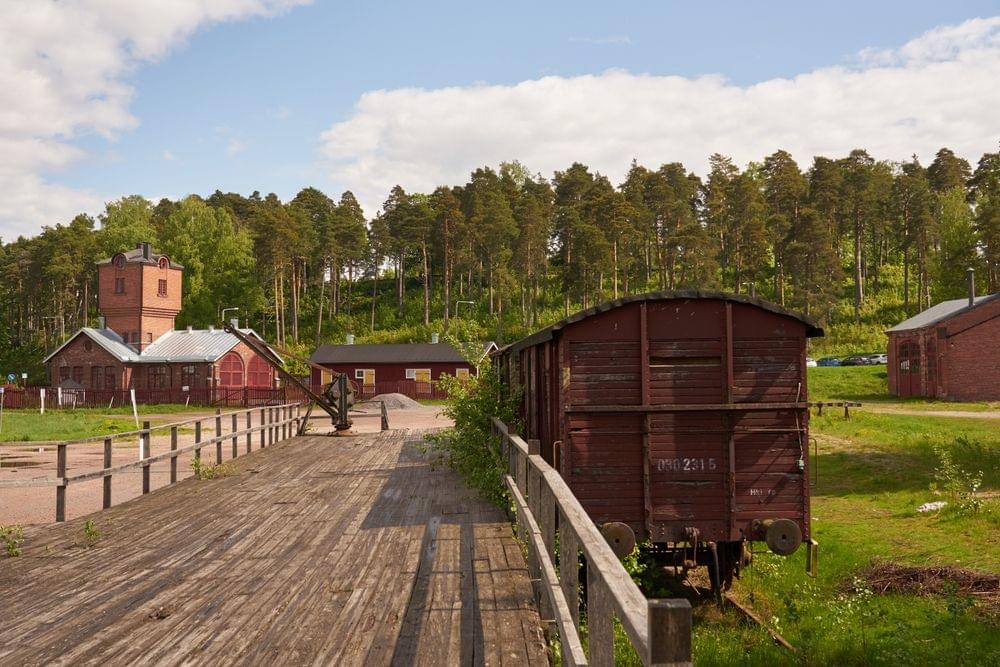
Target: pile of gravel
395,402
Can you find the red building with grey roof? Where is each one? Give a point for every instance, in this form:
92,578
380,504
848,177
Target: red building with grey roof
949,351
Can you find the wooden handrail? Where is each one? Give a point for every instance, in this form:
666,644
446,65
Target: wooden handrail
158,427
278,425
659,630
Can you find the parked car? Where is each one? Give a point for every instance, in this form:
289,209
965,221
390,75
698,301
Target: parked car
878,359
828,361
810,362
854,360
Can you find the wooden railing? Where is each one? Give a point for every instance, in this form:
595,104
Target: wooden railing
276,423
847,405
548,514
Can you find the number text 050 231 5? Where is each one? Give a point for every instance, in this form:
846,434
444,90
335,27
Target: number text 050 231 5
686,465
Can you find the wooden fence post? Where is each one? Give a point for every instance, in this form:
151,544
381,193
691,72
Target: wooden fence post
173,459
61,489
107,478
600,620
236,428
145,468
263,420
270,426
197,439
218,436
249,426
569,567
669,628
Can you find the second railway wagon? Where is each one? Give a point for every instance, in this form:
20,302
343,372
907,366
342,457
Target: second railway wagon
677,417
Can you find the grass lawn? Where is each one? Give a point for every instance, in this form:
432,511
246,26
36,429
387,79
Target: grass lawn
870,384
874,471
30,426
58,425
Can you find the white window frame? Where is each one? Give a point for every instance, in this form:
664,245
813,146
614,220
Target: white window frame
411,373
359,373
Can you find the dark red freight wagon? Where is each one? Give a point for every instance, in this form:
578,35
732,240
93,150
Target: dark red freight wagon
678,417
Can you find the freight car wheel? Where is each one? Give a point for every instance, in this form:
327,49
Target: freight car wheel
620,538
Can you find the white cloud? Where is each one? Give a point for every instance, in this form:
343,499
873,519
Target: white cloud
234,146
938,89
63,73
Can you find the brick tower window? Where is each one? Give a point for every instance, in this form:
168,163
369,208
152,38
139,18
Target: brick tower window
161,288
119,285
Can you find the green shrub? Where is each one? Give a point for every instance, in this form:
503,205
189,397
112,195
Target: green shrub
12,537
470,448
958,485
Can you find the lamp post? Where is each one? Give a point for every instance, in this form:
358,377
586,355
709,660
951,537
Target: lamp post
226,310
471,303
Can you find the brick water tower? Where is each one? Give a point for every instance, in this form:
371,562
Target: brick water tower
139,294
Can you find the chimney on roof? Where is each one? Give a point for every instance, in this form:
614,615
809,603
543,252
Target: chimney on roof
235,322
350,339
101,322
970,279
435,338
190,328
211,328
147,252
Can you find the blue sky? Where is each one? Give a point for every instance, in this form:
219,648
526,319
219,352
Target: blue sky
241,102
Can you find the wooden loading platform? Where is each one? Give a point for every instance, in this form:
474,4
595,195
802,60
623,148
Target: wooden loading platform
355,550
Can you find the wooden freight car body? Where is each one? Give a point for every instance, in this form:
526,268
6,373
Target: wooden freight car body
681,414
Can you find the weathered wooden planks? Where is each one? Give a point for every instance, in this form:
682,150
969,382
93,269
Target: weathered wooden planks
317,550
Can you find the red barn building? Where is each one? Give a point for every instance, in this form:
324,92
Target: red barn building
949,351
409,368
137,347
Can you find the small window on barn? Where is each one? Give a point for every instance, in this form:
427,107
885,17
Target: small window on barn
164,263
95,377
63,373
359,374
119,285
119,261
411,373
78,374
158,377
109,377
462,374
161,288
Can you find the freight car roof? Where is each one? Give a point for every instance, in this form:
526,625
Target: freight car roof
812,329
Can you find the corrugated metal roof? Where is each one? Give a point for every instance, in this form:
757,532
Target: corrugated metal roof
812,329
107,339
941,311
387,354
191,345
184,346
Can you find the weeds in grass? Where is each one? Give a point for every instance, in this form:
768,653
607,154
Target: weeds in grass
90,532
205,471
12,537
959,485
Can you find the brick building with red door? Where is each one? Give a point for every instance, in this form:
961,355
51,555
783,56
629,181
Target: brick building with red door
949,351
137,347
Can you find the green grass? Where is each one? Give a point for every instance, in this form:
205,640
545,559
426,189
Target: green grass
23,426
870,384
874,470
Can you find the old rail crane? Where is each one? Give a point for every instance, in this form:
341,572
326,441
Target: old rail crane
337,397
